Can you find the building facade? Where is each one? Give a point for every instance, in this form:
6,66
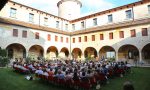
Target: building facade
121,33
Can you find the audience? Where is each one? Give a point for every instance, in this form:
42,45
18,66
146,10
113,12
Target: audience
89,71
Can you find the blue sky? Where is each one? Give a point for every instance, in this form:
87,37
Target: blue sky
89,6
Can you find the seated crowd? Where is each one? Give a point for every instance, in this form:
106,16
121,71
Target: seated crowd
73,73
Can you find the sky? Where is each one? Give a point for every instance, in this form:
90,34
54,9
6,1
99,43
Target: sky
88,6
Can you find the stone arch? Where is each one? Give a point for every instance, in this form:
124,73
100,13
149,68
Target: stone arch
128,52
64,52
90,53
36,52
146,53
52,52
76,53
16,50
107,52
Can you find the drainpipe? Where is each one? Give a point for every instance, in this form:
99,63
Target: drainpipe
62,25
39,18
133,13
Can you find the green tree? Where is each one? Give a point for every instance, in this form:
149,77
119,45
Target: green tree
4,60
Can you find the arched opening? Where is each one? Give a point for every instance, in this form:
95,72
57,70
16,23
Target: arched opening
107,53
146,53
16,50
76,53
128,53
90,53
52,52
64,52
36,52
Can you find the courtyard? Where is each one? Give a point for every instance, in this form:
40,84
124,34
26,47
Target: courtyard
11,80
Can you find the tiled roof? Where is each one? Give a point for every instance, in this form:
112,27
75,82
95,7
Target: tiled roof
84,31
33,26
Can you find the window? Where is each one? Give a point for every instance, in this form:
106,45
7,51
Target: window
110,18
56,38
79,39
128,14
144,32
93,37
121,34
66,26
45,21
31,17
73,26
85,38
67,40
149,9
133,33
111,35
49,37
15,32
101,37
73,40
95,21
82,25
61,39
13,12
24,34
36,35
57,24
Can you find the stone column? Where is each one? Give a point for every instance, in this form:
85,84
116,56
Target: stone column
140,55
98,55
116,55
44,53
27,54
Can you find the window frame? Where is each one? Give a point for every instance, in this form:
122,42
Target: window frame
57,24
95,22
73,26
101,36
82,25
49,37
133,33
121,34
61,39
15,32
79,39
144,32
73,40
67,39
85,38
45,21
31,17
37,35
93,37
66,27
13,12
56,38
110,18
24,34
111,36
129,14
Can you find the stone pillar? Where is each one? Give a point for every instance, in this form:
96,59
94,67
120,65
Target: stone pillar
44,53
27,54
140,56
98,55
70,56
116,55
